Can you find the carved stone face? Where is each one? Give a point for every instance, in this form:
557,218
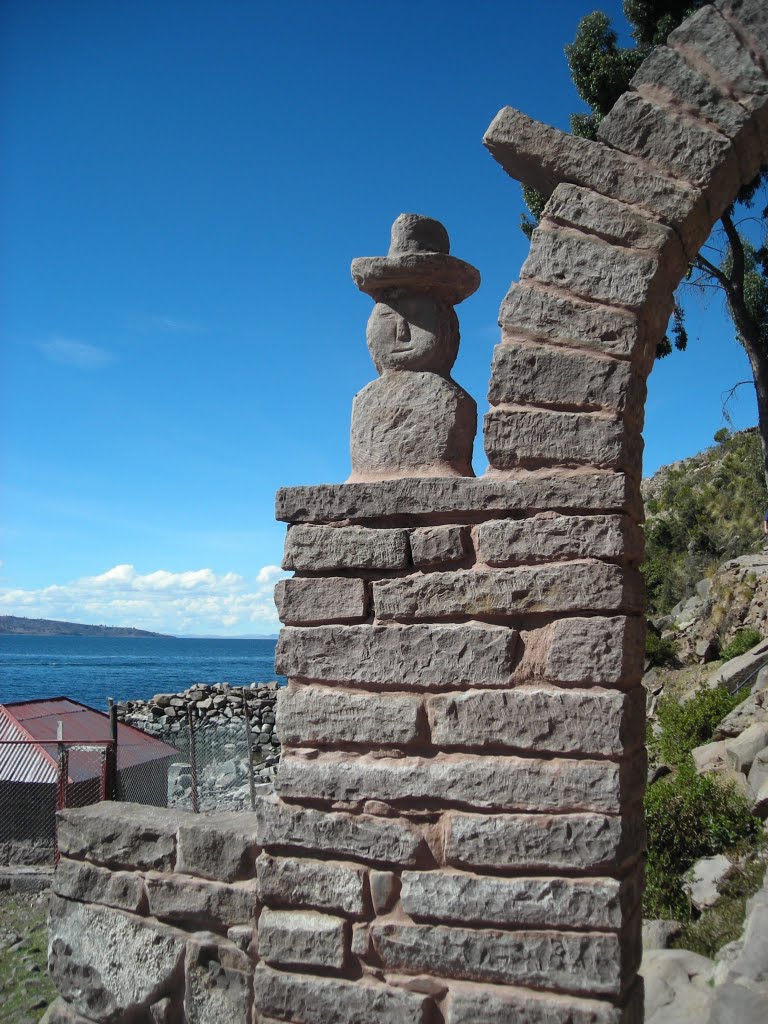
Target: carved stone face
413,332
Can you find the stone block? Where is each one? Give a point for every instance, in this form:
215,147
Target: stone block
201,905
213,991
550,538
410,423
566,961
542,156
530,311
558,842
107,963
362,836
751,19
399,657
681,146
385,889
320,884
537,374
304,999
581,903
570,587
121,835
536,437
540,719
706,34
491,1004
615,222
324,715
414,498
492,783
323,548
88,884
303,938
590,268
431,545
308,601
599,651
221,846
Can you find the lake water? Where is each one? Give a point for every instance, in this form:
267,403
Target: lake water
90,669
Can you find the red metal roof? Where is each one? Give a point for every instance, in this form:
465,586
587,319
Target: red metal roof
37,721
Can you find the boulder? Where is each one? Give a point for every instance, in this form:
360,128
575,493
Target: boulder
758,773
677,989
741,750
658,934
709,756
752,711
738,670
706,876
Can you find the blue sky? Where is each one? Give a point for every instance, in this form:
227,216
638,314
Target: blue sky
183,188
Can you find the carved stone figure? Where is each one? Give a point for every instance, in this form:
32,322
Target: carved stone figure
414,420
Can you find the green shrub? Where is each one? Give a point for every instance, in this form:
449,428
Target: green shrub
660,651
688,725
725,921
744,641
688,816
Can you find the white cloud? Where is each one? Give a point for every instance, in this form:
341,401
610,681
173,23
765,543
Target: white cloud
195,601
76,353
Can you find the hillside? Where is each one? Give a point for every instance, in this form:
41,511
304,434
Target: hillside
700,512
17,625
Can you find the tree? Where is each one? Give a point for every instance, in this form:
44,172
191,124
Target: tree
731,260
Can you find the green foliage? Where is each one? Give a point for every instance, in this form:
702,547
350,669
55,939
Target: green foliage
689,724
744,641
724,922
601,69
701,512
689,816
660,651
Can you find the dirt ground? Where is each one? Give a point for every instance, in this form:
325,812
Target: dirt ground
25,988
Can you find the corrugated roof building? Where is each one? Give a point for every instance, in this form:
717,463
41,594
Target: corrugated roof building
29,769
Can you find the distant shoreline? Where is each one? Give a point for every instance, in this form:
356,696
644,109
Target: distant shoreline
18,625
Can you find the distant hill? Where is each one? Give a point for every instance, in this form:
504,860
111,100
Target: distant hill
18,625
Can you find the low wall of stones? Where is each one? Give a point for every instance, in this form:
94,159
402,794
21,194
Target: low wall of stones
457,832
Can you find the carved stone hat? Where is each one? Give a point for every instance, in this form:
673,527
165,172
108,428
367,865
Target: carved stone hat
418,261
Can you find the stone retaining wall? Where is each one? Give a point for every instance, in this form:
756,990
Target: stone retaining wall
457,833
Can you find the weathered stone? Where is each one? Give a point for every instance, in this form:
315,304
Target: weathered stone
600,651
740,751
750,711
221,846
77,881
532,437
530,311
431,545
322,714
568,961
571,842
304,999
708,756
214,992
659,933
544,491
60,1012
585,903
540,719
303,938
107,963
321,600
503,783
376,840
401,657
752,17
409,424
192,903
685,148
590,268
706,876
385,889
351,547
320,884
571,587
706,34
489,1004
549,538
530,372
758,773
542,157
677,986
121,834
611,220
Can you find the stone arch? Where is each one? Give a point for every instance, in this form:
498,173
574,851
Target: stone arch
457,830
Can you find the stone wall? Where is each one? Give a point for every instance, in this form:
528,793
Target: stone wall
457,832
